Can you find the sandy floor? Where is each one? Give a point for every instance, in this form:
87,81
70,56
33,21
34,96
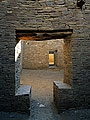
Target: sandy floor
42,92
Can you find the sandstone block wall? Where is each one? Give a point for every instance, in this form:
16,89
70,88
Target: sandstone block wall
67,52
36,54
63,96
45,15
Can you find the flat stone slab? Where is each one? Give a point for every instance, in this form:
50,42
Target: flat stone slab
23,90
62,85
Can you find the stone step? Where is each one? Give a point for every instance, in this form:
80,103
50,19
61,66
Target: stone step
62,85
23,90
23,99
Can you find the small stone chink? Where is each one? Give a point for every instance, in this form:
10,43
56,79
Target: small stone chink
80,3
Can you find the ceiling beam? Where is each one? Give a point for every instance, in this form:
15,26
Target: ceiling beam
39,36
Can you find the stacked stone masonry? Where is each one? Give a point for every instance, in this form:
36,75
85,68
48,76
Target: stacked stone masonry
36,54
46,15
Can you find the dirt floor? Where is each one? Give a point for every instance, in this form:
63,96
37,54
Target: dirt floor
42,92
42,106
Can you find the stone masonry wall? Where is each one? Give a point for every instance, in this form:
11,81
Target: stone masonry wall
81,59
67,52
18,63
36,54
45,15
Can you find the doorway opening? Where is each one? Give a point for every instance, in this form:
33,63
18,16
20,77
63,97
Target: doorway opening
51,59
41,50
30,51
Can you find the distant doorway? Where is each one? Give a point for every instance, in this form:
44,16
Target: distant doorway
51,58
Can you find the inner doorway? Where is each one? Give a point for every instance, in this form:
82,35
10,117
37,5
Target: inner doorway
51,59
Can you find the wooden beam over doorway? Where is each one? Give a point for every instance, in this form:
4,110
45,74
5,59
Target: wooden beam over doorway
42,35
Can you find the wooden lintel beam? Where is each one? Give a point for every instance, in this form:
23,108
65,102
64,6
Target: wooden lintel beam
43,36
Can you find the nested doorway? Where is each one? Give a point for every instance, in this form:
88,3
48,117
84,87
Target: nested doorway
42,79
51,59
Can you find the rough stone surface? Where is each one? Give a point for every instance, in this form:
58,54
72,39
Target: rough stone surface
23,99
67,60
45,15
63,96
36,54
